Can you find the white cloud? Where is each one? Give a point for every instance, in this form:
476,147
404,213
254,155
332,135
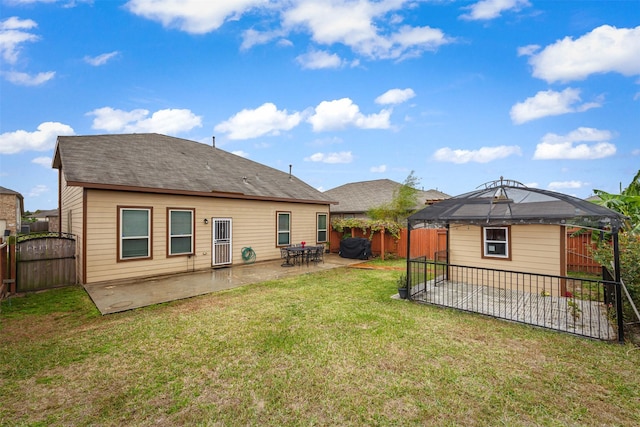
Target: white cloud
341,157
605,49
528,50
42,161
555,146
12,36
635,152
24,79
317,59
491,9
378,169
41,140
343,113
369,28
169,121
241,153
253,37
192,16
264,120
409,42
113,120
100,59
38,190
395,96
483,155
30,1
557,185
549,103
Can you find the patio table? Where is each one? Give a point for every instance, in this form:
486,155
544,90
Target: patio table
294,252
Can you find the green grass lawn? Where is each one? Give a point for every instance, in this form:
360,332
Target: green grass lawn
330,348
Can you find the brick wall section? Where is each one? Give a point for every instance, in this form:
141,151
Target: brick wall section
9,206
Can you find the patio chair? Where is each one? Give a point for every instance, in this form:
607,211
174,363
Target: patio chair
284,254
317,254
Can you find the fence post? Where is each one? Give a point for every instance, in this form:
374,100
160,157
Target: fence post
10,272
409,278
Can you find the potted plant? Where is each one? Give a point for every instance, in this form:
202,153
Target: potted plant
403,288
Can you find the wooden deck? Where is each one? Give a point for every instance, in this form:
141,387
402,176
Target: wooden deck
580,317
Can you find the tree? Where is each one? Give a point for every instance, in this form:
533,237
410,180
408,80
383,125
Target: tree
627,203
403,203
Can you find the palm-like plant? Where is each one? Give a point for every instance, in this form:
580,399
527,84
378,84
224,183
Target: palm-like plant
627,203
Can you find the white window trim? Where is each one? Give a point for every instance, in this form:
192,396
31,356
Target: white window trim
326,225
121,238
278,231
486,242
171,235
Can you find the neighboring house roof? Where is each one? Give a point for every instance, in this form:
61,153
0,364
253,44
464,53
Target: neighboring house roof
163,164
45,214
4,190
359,197
509,202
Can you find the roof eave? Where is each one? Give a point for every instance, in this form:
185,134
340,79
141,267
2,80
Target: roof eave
220,194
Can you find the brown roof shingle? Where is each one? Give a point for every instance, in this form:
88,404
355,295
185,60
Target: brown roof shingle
167,164
359,197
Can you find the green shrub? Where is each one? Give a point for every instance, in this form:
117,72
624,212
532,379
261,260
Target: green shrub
629,266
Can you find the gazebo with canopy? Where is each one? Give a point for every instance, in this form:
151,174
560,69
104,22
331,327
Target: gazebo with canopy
508,236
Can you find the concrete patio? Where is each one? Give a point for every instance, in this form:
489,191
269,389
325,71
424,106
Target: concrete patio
590,318
113,297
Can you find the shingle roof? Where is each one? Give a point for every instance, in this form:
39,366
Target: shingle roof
361,196
45,214
4,190
162,163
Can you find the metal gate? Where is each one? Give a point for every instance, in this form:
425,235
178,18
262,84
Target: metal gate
221,250
45,262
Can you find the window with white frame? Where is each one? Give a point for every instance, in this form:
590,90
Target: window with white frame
322,228
496,242
180,231
284,229
135,233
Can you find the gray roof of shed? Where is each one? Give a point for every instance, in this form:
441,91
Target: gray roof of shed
361,196
509,202
164,164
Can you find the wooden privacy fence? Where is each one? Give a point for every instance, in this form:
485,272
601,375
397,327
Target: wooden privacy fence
579,258
45,262
425,241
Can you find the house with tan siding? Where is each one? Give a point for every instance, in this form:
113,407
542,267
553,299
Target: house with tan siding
144,205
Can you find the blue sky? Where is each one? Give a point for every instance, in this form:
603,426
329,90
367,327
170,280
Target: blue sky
543,92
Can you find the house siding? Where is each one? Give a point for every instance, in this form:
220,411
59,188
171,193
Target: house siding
534,249
253,224
71,218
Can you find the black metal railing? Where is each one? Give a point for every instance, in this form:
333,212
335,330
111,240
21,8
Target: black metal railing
581,306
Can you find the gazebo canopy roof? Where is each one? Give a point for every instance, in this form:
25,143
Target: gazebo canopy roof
506,202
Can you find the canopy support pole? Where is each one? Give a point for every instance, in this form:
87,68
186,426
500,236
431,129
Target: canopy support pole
616,267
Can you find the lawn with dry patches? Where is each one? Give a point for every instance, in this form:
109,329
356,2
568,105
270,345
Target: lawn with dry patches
330,348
